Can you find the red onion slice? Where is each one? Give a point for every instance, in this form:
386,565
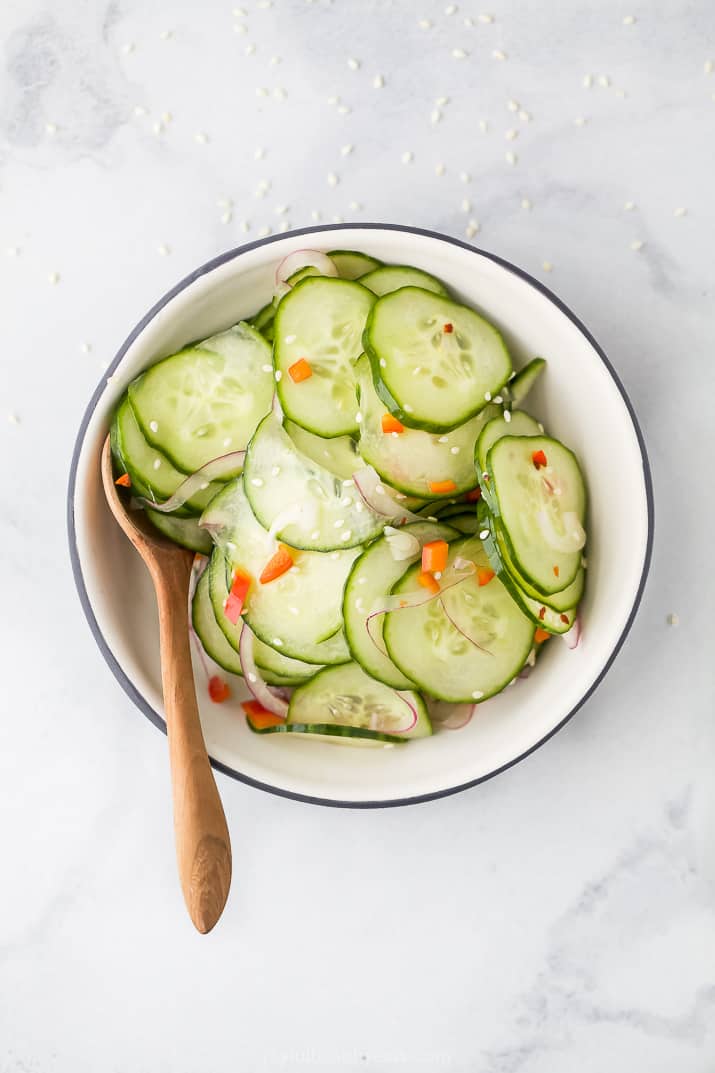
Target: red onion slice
573,636
301,259
401,601
258,687
413,714
449,716
377,497
464,634
218,469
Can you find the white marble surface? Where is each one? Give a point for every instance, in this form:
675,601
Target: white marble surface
558,918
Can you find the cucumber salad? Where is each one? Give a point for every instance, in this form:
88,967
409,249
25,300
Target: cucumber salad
385,538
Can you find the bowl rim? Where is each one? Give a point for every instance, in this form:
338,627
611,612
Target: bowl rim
123,679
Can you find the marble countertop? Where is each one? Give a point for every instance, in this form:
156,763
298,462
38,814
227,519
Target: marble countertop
560,917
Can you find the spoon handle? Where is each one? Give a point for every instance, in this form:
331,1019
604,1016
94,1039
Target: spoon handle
203,848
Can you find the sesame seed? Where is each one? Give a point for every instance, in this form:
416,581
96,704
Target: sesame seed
680,212
338,523
629,20
378,82
471,228
459,53
334,555
484,534
497,54
498,399
483,126
354,65
54,277
541,427
629,206
469,21
439,169
408,409
156,463
442,102
587,81
163,250
259,153
454,450
201,137
435,115
267,368
525,116
50,128
314,214
443,439
379,489
347,535
511,134
424,24
488,396
466,205
579,121
279,93
239,28
244,226
673,619
294,610
451,9
85,347
407,157
128,47
355,206
278,376
13,418
437,575
349,483
275,470
513,106
362,581
257,482
158,127
343,109
383,363
277,642
154,426
485,18
465,177
346,501
203,486
477,694
249,50
604,81
332,179
708,67
226,217
261,91
281,210
166,35
315,534
275,60
139,110
511,158
507,416
547,266
637,244
525,203
346,150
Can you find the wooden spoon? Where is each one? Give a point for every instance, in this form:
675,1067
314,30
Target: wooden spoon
203,848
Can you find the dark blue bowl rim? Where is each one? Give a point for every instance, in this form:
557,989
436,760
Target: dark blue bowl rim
126,683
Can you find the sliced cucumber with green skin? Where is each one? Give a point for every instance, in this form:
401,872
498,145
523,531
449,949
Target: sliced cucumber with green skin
435,363
263,317
519,424
152,474
301,608
206,401
436,643
339,454
413,460
464,523
541,615
183,531
208,630
347,696
370,580
391,278
332,733
300,501
351,264
540,508
303,273
276,668
523,381
321,320
498,552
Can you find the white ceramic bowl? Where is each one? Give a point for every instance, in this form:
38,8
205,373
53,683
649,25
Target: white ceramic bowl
580,400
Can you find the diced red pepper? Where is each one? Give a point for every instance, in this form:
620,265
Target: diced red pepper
474,496
427,581
300,370
564,618
541,635
124,481
556,571
542,612
434,556
484,575
448,328
218,689
440,488
233,605
278,564
391,424
259,717
538,458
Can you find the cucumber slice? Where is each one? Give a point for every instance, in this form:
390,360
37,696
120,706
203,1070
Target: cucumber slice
208,630
303,273
332,733
276,668
300,501
431,650
521,384
347,696
370,580
540,613
498,552
392,277
302,607
351,264
151,472
412,460
519,424
339,454
263,317
205,401
464,523
321,320
540,510
183,531
428,377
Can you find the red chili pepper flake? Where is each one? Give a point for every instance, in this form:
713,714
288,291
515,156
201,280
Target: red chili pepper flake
484,575
542,613
124,481
556,571
538,458
448,328
564,618
474,496
218,689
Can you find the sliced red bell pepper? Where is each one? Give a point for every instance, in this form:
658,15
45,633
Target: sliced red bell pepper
391,424
474,496
259,717
434,556
218,689
538,458
442,487
124,481
278,564
300,370
484,575
427,581
541,635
